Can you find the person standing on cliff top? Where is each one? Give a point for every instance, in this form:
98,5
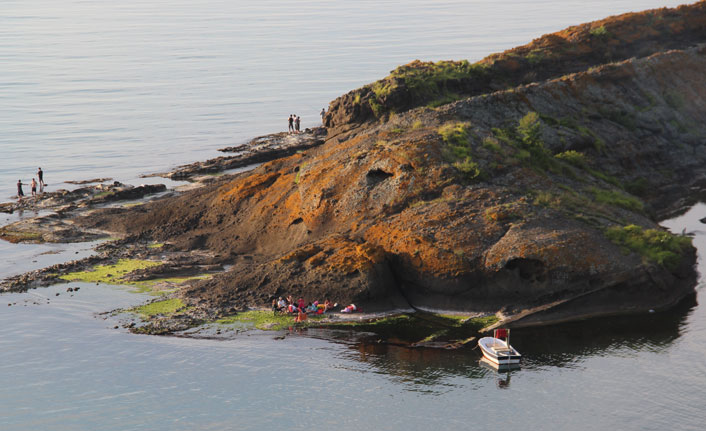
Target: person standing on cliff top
323,114
291,123
297,123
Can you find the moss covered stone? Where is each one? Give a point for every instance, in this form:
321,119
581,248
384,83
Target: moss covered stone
110,274
114,273
166,307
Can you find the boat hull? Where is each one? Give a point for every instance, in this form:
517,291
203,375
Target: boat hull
504,355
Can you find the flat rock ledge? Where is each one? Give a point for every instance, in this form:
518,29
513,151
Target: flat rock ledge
259,150
56,226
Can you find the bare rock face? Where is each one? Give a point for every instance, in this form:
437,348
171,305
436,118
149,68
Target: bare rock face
540,200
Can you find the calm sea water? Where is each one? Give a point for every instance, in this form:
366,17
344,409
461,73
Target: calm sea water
122,88
64,367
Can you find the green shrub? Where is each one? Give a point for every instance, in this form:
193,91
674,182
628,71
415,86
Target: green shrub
529,128
616,198
573,157
377,108
547,200
600,32
457,150
658,246
443,99
535,56
455,133
492,144
382,89
426,82
638,187
605,177
468,168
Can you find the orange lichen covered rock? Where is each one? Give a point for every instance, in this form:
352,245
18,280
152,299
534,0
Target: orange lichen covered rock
496,201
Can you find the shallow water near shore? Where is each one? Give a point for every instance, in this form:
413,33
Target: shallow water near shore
65,367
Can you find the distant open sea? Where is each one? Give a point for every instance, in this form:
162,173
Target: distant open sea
107,88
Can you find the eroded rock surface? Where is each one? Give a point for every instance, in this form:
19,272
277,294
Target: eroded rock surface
536,194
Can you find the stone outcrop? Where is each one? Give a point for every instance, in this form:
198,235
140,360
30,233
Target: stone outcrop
258,150
61,205
539,198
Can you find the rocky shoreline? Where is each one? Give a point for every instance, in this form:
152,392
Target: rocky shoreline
259,150
536,201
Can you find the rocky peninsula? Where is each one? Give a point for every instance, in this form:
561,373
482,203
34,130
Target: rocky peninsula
527,186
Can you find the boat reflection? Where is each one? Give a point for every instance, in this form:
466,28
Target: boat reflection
563,346
502,372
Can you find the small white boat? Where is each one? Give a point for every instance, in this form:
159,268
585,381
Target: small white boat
499,351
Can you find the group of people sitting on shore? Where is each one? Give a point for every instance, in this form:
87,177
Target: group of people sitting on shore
34,183
301,309
300,306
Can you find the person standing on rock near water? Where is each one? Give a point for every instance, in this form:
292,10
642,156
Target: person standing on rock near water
40,175
323,114
297,123
34,187
20,193
291,123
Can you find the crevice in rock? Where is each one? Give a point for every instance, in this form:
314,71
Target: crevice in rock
376,176
398,283
528,269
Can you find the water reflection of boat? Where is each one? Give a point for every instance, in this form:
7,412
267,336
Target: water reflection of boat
503,372
497,349
485,363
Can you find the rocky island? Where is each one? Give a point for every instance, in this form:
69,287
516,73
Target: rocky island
526,186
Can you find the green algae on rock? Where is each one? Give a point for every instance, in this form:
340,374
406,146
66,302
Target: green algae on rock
116,273
111,273
164,307
17,236
267,320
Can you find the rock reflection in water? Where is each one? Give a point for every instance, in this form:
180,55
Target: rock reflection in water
567,344
419,367
562,346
